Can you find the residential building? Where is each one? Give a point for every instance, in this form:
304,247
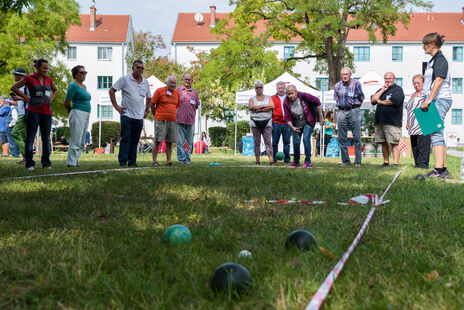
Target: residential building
402,54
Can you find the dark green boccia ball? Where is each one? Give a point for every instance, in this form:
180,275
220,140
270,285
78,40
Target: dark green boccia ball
177,234
231,277
280,156
419,177
300,239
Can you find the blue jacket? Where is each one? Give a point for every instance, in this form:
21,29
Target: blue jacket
4,111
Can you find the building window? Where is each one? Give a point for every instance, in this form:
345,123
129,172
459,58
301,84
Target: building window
322,84
456,116
397,53
457,86
457,53
104,82
106,111
361,53
105,53
289,51
399,82
72,53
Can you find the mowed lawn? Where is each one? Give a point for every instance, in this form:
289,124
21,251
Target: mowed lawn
94,241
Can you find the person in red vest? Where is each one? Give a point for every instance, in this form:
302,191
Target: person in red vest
279,126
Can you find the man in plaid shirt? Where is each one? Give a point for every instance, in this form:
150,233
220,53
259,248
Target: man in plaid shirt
185,117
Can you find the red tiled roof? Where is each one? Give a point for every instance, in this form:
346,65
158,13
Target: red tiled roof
110,28
448,24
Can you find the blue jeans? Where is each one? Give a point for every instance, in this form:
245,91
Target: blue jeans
349,120
130,136
296,136
443,106
14,150
33,121
284,131
184,132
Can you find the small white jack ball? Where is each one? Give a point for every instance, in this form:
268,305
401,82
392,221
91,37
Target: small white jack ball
244,253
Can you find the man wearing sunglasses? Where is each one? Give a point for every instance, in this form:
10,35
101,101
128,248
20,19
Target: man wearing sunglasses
135,104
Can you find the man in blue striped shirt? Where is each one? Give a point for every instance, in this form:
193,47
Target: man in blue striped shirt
349,97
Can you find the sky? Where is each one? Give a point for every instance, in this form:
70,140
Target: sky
160,16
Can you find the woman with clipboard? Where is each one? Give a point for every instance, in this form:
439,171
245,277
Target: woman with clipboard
437,88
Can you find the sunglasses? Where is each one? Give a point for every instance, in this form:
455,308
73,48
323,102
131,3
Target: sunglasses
258,87
83,72
138,67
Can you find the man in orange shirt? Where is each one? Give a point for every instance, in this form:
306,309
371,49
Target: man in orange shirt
165,101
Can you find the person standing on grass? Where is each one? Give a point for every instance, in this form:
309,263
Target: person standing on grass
329,127
388,118
420,144
41,92
165,102
79,114
186,113
4,111
11,120
134,107
437,87
301,111
19,130
349,96
261,108
279,126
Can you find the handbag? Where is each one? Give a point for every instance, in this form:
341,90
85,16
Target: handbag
261,123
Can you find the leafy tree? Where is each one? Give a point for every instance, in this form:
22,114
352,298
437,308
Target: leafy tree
13,5
40,32
324,25
145,45
240,60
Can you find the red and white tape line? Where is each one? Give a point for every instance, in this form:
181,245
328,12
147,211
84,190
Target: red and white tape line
324,289
289,201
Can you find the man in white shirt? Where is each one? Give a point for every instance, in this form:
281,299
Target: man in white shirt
135,104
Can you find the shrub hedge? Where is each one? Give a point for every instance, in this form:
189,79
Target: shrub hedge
109,130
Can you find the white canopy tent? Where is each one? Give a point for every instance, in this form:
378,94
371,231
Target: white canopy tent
154,83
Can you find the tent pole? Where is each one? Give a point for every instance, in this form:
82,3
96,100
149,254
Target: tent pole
235,140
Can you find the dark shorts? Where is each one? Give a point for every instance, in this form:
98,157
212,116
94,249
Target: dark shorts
3,138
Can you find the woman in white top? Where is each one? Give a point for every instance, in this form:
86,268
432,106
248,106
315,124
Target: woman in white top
261,108
420,144
437,87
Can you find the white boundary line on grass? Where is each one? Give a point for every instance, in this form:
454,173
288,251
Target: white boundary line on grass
324,289
76,173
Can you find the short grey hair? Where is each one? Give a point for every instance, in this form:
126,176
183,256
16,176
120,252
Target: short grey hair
259,82
171,77
346,68
281,83
291,86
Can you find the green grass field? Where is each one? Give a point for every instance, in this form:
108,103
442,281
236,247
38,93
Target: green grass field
94,241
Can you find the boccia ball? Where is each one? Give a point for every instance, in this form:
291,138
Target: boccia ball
244,253
231,276
301,239
280,156
177,234
419,177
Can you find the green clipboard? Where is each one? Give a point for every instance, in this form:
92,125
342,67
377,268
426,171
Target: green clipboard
429,121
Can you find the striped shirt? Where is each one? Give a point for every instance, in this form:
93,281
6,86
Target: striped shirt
348,95
189,103
413,125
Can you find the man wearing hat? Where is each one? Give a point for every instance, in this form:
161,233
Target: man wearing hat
19,130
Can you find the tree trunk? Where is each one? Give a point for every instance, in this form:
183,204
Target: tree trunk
333,63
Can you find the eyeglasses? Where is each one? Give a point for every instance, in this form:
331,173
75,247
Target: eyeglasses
138,67
258,87
83,72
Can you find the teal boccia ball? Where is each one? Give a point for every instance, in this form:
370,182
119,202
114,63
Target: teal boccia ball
280,156
300,239
231,277
419,177
177,234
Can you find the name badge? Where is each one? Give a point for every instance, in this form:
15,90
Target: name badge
169,93
350,94
47,93
39,94
142,93
192,101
